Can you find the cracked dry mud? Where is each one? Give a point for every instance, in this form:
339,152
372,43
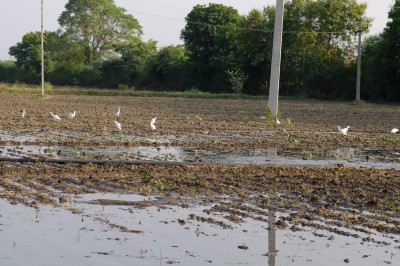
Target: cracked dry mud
362,199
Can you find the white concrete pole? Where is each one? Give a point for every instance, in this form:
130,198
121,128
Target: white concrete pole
42,46
276,60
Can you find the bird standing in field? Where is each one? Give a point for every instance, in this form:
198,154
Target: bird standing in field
23,113
72,115
152,123
343,131
394,130
117,125
118,112
55,117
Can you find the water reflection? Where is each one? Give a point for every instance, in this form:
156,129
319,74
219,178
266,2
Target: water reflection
271,237
373,158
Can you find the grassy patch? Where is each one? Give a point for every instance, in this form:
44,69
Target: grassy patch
36,89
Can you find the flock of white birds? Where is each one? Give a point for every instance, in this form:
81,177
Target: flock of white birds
343,130
72,115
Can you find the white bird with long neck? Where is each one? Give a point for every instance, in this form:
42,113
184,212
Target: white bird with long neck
117,125
152,123
394,130
23,113
72,115
118,112
343,131
55,117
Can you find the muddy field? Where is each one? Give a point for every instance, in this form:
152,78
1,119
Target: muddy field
200,158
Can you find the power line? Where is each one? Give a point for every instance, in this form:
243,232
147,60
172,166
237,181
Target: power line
302,19
153,4
238,28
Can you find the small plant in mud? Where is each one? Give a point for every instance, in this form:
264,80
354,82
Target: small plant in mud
166,157
194,178
389,139
72,165
138,153
170,184
25,176
119,137
235,171
237,79
391,203
335,157
144,176
270,117
158,182
298,141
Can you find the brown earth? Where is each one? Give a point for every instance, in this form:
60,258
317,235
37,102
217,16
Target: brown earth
209,123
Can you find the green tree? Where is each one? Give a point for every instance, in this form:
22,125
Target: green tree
171,68
136,58
210,37
381,66
390,57
98,26
318,48
255,48
8,71
376,67
28,55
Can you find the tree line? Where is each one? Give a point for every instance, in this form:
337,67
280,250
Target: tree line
99,44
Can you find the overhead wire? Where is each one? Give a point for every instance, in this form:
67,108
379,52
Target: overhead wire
210,12
238,28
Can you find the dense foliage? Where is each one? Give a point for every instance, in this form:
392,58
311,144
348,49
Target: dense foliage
99,45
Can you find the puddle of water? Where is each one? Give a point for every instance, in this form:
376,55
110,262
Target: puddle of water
372,158
36,237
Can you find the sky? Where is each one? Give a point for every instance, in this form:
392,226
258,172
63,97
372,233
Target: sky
162,20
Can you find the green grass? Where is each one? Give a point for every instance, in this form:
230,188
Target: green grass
36,89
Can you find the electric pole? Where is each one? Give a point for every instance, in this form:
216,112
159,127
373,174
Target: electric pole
276,60
358,85
42,47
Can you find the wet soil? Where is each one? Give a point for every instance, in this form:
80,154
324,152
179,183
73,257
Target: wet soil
358,198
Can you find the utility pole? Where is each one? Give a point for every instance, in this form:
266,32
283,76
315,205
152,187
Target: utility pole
276,60
42,47
358,85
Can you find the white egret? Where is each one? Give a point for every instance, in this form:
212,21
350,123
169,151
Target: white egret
394,130
343,131
278,122
152,123
55,117
117,125
71,115
118,112
23,113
